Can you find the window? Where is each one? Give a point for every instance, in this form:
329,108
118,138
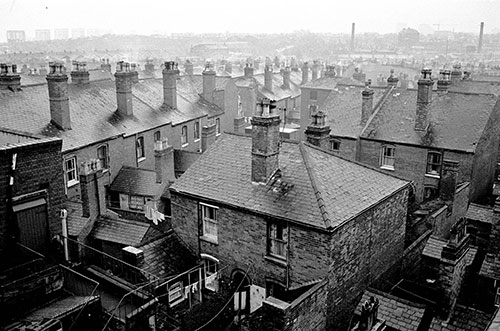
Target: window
209,219
102,156
184,135
313,95
335,145
196,130
217,126
387,157
434,163
175,293
277,239
71,172
139,148
157,136
136,202
211,267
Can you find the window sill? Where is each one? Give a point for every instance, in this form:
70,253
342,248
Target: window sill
432,176
72,183
276,260
196,140
387,167
105,170
208,239
185,145
140,159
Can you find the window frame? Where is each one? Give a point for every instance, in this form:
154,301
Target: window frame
196,131
208,262
105,157
74,169
332,144
209,221
184,136
136,197
139,149
431,163
157,136
280,244
217,127
175,294
385,159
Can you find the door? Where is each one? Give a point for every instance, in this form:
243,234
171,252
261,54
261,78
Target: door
33,227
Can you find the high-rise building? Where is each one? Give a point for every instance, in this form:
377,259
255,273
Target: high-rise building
16,36
77,33
61,34
42,34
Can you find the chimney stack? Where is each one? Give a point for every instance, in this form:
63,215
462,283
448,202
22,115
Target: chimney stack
57,82
170,72
248,70
330,71
286,77
208,83
367,102
228,67
149,66
79,74
318,132
444,81
92,189
268,77
392,80
305,73
448,181
135,76
188,68
164,161
314,70
105,65
9,78
456,73
265,141
124,77
424,99
481,31
208,135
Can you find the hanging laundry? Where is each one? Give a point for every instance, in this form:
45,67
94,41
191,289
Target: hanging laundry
187,289
194,287
155,217
161,216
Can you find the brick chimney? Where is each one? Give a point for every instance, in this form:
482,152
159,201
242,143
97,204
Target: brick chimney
208,135
330,71
80,74
424,99
286,77
367,102
248,70
268,77
315,69
456,73
9,78
105,65
392,80
359,75
265,141
188,68
170,72
164,161
444,81
57,82
208,83
228,67
149,66
305,73
92,188
448,180
135,76
124,80
318,132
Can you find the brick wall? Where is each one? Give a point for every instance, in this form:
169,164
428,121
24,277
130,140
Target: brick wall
362,250
412,257
38,167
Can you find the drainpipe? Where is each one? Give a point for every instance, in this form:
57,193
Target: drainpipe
64,223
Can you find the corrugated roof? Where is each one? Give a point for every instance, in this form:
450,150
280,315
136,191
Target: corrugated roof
137,181
480,213
120,231
400,314
223,174
457,119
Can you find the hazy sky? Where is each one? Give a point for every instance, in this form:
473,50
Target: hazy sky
164,16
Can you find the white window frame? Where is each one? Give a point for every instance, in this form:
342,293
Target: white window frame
140,147
386,159
277,247
208,262
196,131
74,170
175,294
207,222
104,166
217,127
184,136
430,163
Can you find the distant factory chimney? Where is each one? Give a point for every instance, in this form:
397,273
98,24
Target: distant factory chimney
353,31
480,45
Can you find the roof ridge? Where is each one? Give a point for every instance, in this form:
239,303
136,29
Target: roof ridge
317,193
136,168
376,109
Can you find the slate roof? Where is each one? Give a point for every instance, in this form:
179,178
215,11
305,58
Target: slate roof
327,191
494,324
471,86
93,111
400,314
279,92
76,222
480,213
491,267
137,181
434,247
462,319
329,83
343,110
457,119
120,231
166,256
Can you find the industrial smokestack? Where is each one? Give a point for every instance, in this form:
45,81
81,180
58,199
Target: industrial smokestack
480,45
353,30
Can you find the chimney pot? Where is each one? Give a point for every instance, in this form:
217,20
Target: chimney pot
208,82
9,78
367,102
444,80
392,80
80,75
